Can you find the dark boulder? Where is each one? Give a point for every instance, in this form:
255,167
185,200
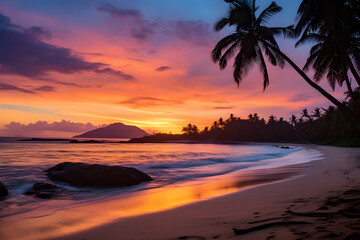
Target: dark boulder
95,175
44,190
3,190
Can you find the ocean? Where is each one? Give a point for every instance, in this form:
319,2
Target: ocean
182,173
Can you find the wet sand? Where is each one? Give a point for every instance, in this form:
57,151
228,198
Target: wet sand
317,204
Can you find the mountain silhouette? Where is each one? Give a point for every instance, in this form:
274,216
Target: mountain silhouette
115,130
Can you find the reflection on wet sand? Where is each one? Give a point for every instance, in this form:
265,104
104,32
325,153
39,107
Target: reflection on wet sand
41,224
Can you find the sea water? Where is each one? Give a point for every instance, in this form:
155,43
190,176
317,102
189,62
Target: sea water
176,168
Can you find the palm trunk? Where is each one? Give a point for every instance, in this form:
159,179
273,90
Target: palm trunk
352,68
351,92
352,116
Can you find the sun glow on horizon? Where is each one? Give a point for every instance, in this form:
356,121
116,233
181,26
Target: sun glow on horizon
110,64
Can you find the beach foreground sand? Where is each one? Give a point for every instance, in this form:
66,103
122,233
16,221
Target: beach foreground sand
320,197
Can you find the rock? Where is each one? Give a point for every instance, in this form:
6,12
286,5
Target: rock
95,175
43,190
3,190
285,147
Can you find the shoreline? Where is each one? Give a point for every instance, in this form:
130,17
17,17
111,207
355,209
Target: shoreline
215,218
37,223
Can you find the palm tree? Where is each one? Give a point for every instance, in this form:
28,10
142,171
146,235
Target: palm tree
317,113
246,38
194,130
221,123
231,117
206,129
293,120
187,129
251,39
305,114
272,118
325,57
338,20
214,125
256,117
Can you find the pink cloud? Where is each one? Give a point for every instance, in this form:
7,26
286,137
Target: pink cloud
46,129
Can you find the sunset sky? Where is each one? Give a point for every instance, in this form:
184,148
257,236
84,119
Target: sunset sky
140,62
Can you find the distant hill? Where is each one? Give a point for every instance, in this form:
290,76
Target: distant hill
115,130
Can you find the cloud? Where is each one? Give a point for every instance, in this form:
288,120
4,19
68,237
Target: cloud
41,128
197,32
24,53
163,68
132,22
115,72
149,102
68,83
300,98
39,32
121,13
45,88
9,87
223,108
140,28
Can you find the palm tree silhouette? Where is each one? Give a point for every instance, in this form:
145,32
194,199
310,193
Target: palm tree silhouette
272,118
251,39
214,125
293,120
247,37
256,117
335,19
305,114
326,56
317,113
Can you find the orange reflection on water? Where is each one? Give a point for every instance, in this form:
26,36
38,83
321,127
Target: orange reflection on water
42,224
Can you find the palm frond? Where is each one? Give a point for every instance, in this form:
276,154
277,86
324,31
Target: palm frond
268,12
221,24
262,66
229,53
223,44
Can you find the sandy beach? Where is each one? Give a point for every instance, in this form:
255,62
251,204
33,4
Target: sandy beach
215,218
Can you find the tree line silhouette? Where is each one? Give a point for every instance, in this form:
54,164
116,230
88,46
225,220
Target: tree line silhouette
322,125
332,27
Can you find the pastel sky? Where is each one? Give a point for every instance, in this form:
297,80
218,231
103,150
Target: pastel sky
140,62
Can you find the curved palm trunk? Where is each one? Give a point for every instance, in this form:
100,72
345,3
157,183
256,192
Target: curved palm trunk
352,68
351,92
352,116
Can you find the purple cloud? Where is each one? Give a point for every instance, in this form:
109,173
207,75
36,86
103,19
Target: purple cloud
39,32
42,128
120,12
140,28
116,73
223,108
45,88
9,87
163,68
24,53
197,32
133,22
300,98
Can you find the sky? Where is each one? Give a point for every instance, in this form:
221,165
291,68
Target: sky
70,66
